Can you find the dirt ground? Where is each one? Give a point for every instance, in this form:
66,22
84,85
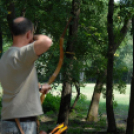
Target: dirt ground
48,123
85,127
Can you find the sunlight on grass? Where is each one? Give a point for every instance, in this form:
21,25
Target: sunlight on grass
89,88
120,103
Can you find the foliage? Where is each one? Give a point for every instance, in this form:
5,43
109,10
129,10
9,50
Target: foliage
123,62
81,101
51,103
74,131
90,50
91,45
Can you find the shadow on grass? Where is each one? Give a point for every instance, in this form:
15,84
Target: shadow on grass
79,127
78,124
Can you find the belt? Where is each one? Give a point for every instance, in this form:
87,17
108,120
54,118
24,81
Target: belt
25,119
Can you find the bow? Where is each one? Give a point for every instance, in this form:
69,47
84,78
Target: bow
57,70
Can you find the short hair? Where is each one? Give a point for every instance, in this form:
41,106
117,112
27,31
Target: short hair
21,27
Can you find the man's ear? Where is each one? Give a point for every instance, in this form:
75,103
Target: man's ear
28,35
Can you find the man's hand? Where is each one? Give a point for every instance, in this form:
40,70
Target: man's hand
45,88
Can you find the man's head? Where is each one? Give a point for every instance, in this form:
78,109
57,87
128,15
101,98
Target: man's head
22,27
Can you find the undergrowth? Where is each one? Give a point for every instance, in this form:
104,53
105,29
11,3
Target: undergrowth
51,104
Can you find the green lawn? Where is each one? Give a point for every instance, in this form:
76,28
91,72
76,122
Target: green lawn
88,91
121,101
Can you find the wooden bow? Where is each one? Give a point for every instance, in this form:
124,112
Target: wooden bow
57,70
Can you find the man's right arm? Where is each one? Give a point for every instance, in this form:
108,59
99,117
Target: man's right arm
41,44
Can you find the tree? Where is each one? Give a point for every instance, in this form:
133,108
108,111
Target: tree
67,84
101,68
109,84
112,47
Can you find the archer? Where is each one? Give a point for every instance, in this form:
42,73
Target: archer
21,98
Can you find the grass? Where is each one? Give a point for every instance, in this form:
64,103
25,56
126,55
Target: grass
121,103
121,100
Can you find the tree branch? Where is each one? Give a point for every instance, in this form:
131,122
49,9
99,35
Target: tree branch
123,33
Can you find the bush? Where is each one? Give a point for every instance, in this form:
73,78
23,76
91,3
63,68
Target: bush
51,103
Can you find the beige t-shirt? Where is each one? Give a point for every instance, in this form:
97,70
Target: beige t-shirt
19,81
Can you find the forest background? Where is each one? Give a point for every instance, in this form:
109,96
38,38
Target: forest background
98,49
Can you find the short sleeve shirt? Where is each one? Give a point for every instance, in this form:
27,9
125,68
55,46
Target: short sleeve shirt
19,81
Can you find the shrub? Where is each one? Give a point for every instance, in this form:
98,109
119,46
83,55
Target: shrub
51,103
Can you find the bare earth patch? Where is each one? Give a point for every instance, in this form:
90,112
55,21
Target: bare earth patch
82,126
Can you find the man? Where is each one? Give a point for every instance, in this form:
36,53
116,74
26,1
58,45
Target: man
19,79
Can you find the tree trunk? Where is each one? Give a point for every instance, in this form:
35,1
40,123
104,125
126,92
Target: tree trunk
65,103
77,86
11,12
67,85
93,109
109,84
130,120
109,95
94,105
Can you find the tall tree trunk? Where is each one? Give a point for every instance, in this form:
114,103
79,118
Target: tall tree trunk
109,95
130,120
109,83
94,105
93,109
65,103
11,12
67,85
